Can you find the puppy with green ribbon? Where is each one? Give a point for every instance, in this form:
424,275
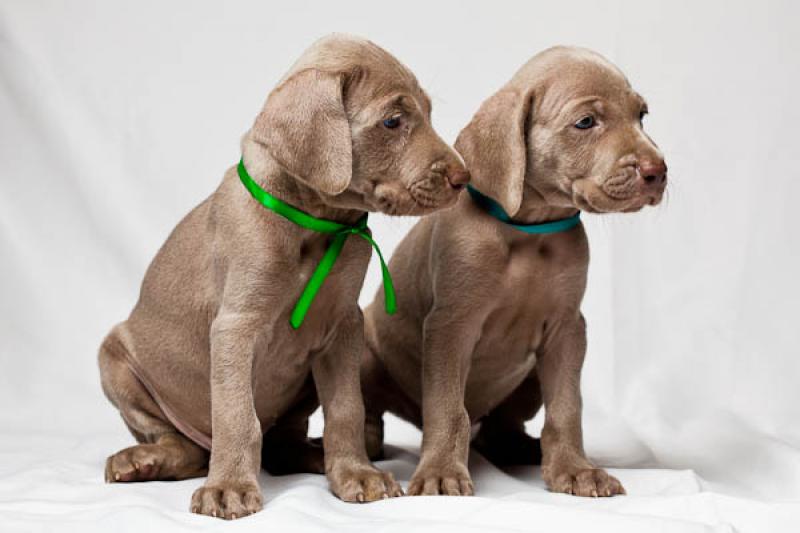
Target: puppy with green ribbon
248,315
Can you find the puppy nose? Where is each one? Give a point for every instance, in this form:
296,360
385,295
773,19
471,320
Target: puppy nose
457,177
653,171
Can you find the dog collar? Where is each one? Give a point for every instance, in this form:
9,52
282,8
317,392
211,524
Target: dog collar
495,210
340,233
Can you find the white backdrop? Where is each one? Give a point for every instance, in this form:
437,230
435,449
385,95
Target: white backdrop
117,117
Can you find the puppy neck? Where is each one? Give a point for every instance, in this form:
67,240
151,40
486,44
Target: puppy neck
538,207
269,174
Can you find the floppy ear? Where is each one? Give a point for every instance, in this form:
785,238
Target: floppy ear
304,127
493,147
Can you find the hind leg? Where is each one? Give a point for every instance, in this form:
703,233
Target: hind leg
381,394
162,453
372,381
502,438
286,448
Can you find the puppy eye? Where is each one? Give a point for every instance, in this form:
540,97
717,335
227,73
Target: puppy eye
392,123
585,123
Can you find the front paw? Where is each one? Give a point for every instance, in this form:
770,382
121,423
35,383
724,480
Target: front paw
227,500
451,479
582,481
362,483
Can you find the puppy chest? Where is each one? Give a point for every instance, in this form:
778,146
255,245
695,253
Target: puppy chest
345,272
510,342
281,368
505,355
539,279
531,264
531,293
495,374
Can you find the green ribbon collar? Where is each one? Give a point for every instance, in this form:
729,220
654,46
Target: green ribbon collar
340,233
495,210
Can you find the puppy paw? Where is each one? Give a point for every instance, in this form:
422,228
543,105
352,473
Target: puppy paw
449,480
591,482
227,500
137,463
363,484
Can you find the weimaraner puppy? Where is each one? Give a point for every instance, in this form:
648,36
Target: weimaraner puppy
209,352
489,325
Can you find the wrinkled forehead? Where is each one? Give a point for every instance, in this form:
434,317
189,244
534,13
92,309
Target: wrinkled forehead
375,75
377,92
388,83
567,78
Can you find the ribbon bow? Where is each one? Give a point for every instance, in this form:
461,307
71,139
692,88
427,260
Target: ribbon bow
340,233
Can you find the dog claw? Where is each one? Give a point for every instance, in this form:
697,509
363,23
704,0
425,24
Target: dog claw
227,502
361,484
588,482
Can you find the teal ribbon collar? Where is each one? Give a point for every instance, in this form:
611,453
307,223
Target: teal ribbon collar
495,210
340,234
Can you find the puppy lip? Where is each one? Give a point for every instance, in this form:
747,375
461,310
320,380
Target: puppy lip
433,198
581,197
581,202
594,208
655,199
426,208
618,205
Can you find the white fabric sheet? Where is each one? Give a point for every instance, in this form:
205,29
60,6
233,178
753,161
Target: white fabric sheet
117,117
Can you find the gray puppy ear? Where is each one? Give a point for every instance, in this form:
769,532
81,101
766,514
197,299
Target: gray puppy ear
304,126
494,149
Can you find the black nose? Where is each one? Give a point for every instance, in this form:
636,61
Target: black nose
653,171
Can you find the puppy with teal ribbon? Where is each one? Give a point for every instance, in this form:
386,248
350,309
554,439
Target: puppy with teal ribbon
248,314
491,330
